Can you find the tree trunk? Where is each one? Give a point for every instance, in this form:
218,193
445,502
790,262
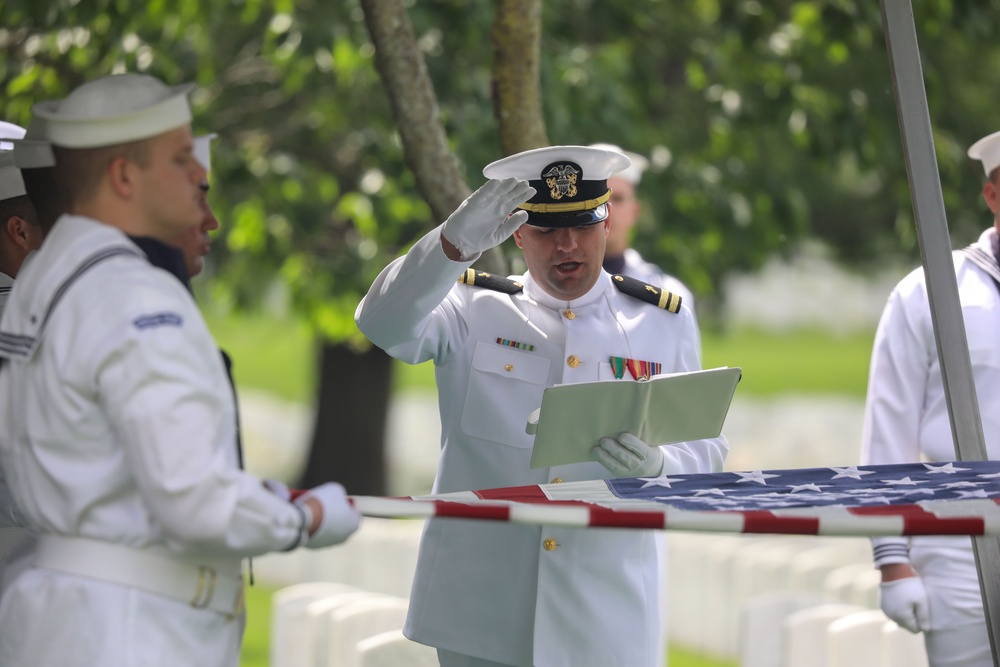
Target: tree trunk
517,99
348,442
414,104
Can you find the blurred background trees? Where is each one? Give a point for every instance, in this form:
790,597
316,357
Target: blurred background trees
767,123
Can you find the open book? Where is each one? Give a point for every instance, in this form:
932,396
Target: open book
673,407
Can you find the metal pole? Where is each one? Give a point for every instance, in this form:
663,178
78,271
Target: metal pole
942,286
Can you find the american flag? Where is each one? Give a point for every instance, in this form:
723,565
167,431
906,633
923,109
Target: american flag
951,498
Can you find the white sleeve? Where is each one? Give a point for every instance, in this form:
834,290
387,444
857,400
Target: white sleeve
897,381
408,312
170,406
708,455
896,388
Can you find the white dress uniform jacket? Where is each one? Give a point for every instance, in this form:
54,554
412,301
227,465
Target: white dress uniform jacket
526,595
906,417
118,434
6,284
13,535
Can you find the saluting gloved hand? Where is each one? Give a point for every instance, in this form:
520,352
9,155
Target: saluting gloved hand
905,601
484,219
628,456
335,518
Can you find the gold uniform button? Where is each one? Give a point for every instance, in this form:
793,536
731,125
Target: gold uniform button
556,480
569,314
573,361
549,544
509,367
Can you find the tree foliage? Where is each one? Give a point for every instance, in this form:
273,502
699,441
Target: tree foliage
766,122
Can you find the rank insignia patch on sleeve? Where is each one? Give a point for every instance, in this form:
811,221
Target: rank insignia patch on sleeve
158,320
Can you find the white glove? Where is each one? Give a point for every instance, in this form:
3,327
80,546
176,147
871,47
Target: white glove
484,219
628,456
905,601
339,519
279,489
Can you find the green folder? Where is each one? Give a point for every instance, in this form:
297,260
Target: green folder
668,408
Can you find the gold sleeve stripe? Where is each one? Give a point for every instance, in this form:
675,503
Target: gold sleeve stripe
669,301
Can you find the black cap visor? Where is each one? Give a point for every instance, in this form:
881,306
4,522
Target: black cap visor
570,219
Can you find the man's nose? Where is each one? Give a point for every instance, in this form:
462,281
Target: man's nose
209,222
198,173
566,239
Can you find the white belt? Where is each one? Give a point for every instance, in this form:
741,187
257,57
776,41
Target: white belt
201,586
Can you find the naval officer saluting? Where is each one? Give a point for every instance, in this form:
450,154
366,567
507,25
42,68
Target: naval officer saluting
488,594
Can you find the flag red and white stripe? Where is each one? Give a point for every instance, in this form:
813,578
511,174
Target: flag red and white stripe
911,499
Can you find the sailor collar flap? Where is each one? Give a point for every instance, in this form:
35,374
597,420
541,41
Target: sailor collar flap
978,254
23,327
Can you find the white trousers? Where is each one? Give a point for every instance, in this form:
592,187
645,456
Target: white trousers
962,646
958,636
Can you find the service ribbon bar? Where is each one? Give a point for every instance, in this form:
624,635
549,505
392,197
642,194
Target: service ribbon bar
513,343
642,370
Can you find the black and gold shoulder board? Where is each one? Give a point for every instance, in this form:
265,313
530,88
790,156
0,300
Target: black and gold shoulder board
490,281
648,293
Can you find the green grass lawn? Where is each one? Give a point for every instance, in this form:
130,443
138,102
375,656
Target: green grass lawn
801,362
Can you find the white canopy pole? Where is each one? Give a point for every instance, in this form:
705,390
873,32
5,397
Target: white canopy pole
942,286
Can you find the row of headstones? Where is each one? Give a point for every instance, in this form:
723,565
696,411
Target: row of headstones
709,579
380,558
781,630
326,624
778,601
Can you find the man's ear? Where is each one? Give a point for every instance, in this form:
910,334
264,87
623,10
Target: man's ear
120,175
990,195
17,229
517,238
10,226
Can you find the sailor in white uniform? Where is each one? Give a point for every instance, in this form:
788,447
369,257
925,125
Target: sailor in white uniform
490,594
118,418
930,584
20,233
621,257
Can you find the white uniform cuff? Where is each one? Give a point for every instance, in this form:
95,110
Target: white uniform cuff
890,552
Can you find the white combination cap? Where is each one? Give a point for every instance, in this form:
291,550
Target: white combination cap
114,110
987,150
633,174
571,182
203,150
11,183
35,150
